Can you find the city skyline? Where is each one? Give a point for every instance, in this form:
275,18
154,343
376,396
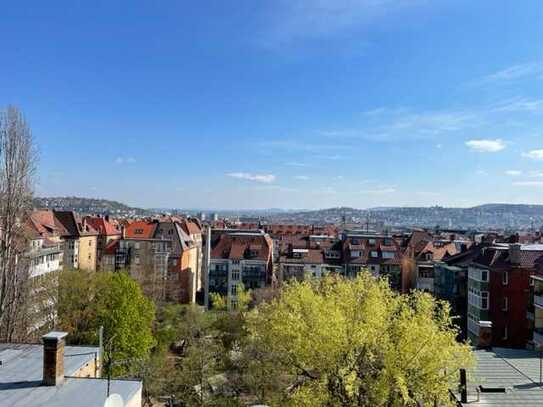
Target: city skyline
297,104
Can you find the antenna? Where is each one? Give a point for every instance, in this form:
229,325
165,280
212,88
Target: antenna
115,400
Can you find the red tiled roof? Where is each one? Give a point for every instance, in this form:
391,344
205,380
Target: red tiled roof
103,226
140,229
239,247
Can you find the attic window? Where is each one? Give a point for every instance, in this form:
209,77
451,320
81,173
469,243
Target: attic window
138,231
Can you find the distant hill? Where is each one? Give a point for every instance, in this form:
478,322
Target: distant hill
88,205
503,216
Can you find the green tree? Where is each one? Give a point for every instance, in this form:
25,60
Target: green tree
339,342
89,300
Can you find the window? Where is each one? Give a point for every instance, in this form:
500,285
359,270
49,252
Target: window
505,304
233,290
137,245
90,243
484,275
505,333
484,299
388,255
371,242
429,256
137,260
235,275
505,278
374,254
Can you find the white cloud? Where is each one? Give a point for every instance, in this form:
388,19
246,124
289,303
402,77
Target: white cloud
534,154
125,160
486,146
301,177
481,173
519,105
535,184
265,178
535,174
513,173
295,164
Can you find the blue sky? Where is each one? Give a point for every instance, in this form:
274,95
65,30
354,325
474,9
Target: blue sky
283,103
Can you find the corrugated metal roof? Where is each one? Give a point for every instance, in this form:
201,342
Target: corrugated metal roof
21,379
515,370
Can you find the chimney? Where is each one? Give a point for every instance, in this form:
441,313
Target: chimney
514,253
53,358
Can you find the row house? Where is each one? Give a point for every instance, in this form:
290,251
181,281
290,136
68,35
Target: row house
239,257
499,295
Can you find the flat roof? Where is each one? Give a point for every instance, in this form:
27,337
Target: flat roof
515,370
21,375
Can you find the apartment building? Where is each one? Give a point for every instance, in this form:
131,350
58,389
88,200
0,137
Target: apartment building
378,253
499,293
80,241
535,310
239,257
107,232
145,257
308,256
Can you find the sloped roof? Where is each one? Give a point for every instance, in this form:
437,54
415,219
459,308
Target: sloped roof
238,246
140,229
102,225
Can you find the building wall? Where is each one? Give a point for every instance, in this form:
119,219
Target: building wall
71,253
514,318
87,253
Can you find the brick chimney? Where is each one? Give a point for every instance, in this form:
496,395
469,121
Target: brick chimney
514,253
53,358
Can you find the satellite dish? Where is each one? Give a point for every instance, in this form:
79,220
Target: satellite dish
115,400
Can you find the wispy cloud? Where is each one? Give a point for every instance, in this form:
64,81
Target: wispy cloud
534,154
379,191
301,177
485,146
295,164
124,160
513,173
293,20
527,105
515,72
533,184
264,178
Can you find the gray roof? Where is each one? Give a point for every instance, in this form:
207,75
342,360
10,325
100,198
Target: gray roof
516,370
21,375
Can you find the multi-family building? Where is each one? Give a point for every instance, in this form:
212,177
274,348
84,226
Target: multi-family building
498,294
80,241
107,232
239,258
185,257
535,307
378,253
308,256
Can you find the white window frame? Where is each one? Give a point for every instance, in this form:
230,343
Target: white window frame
505,305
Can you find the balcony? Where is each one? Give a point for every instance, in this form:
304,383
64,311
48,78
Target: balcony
538,337
538,299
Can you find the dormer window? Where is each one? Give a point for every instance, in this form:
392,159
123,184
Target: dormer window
429,256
